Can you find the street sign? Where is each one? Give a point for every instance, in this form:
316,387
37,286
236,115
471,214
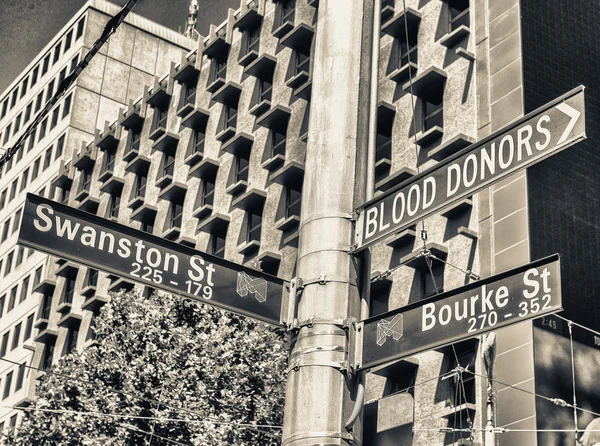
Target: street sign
538,135
141,257
526,292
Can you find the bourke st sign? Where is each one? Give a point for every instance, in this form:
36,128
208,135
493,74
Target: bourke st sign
98,243
526,292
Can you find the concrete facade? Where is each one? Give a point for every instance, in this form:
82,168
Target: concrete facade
134,55
184,139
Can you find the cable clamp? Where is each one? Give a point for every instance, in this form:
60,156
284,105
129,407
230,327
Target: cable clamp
342,366
311,322
499,430
352,248
471,275
559,402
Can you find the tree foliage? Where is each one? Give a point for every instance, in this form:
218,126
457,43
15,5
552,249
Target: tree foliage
168,358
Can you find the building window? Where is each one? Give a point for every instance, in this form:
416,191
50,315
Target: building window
17,220
66,106
148,225
4,108
9,261
62,75
169,164
17,124
383,149
13,189
242,166
277,143
288,11
3,199
12,424
252,42
176,214
28,327
433,284
19,154
20,377
140,185
293,202
14,97
36,169
68,40
46,64
115,202
230,116
219,70
74,63
64,194
208,193
432,113
28,111
54,119
80,26
463,355
109,162
37,277
56,53
86,180
60,146
38,101
46,304
50,90
47,158
24,289
159,119
265,90
16,336
2,300
42,130
48,355
459,14
4,345
198,141
69,290
133,141
5,230
20,256
254,227
24,86
13,298
34,75
218,245
71,340
302,62
7,386
92,279
188,92
7,134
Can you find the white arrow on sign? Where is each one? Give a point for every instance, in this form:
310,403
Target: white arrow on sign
571,113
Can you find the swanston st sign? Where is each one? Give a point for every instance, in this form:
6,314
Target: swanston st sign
75,235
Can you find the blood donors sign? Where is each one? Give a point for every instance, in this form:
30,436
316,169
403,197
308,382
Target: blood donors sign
527,292
84,238
536,136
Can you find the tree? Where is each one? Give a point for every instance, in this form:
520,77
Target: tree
168,358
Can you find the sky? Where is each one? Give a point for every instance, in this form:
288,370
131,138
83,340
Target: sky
26,26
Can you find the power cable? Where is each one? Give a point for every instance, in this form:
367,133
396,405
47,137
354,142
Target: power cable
63,87
556,401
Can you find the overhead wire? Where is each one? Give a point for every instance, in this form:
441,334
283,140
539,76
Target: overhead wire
109,29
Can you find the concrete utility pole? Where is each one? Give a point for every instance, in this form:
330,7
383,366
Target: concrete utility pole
320,391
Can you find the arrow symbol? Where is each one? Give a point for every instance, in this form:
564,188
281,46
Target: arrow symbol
571,113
